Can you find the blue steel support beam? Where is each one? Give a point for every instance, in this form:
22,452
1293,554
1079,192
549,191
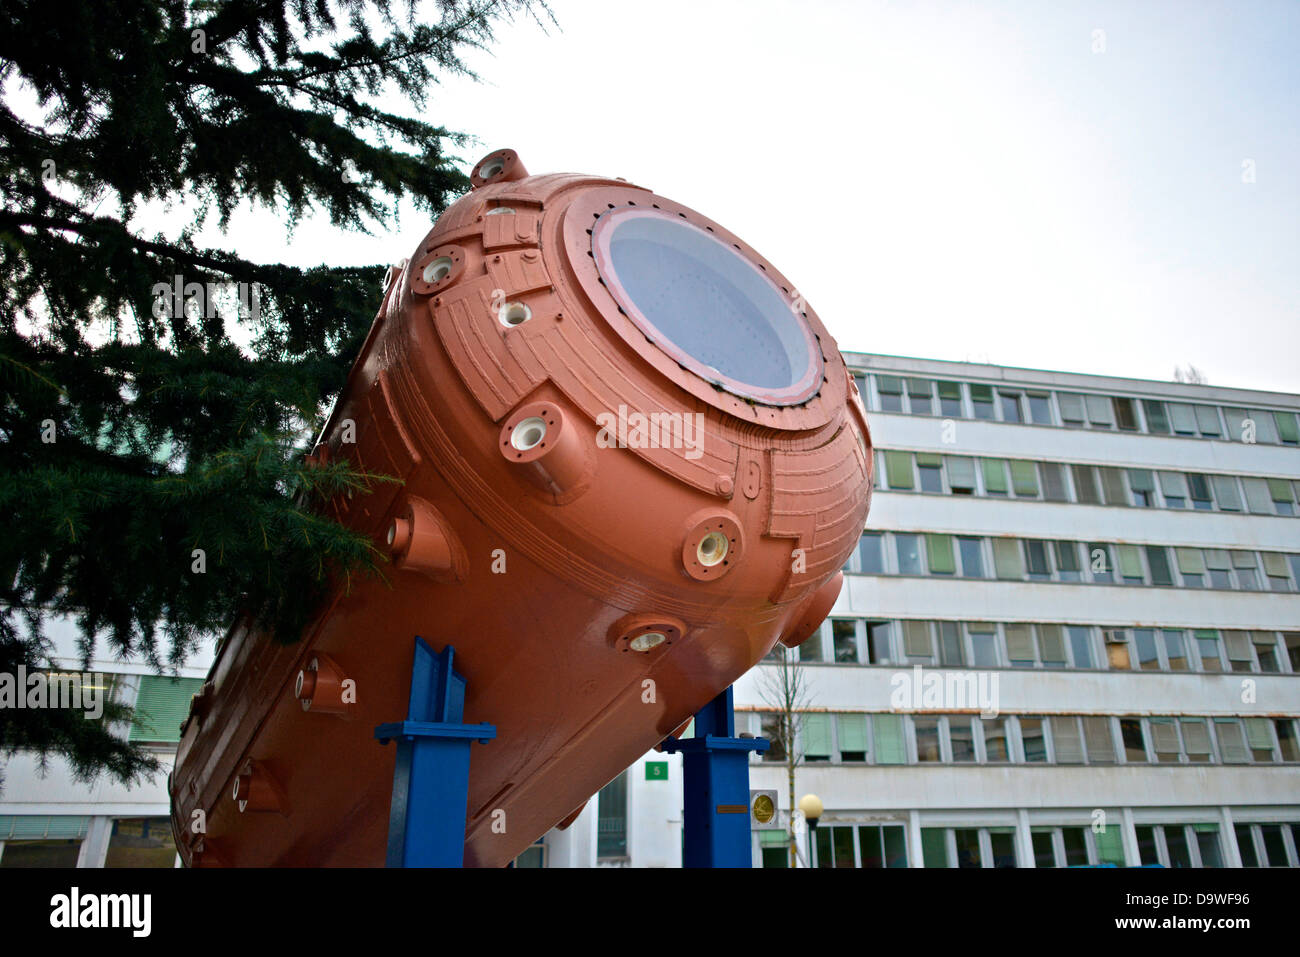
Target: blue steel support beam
426,823
716,782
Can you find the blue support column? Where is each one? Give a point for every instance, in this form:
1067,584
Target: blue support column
426,824
716,774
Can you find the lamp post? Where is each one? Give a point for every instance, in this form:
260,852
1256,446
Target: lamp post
810,805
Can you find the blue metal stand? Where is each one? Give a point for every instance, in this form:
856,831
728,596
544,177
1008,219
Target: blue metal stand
426,825
716,774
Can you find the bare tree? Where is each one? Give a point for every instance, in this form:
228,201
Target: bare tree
783,686
1190,375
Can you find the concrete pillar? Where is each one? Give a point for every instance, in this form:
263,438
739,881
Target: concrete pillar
1132,856
1231,852
94,847
914,856
1024,840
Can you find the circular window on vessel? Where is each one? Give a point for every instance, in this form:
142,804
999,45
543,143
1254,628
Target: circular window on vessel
706,305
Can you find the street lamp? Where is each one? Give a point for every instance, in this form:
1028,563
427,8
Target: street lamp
812,808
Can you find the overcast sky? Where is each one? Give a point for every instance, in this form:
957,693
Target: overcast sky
1052,185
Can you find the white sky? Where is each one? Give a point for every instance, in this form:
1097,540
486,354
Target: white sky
948,180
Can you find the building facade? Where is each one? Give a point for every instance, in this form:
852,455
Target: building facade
1070,636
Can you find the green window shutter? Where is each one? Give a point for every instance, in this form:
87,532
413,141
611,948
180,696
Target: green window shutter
961,472
1112,486
1225,492
1286,426
1257,734
1173,483
898,469
1190,561
887,735
929,458
39,827
1051,643
852,729
162,705
981,393
890,384
817,735
1280,489
1024,477
1217,559
995,475
1007,560
1130,561
773,837
1110,849
1020,642
1141,480
1258,499
1274,564
939,548
950,390
916,639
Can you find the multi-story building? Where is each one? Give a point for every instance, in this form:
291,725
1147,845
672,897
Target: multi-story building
1070,636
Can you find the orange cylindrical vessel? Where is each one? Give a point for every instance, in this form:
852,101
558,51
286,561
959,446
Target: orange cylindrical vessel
628,452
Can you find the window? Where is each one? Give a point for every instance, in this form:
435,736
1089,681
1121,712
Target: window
930,470
772,727
1157,419
1024,478
1101,745
870,558
1281,493
939,550
1007,562
1286,427
882,845
1067,561
1036,560
1286,739
1158,561
909,554
995,740
811,650
934,846
1051,645
968,847
1218,566
1175,653
878,644
890,389
1130,565
1243,564
1020,645
1085,484
1099,411
961,474
1266,651
161,706
1066,740
1196,740
984,644
917,644
898,470
1032,740
1040,408
1182,418
1071,405
995,476
611,819
950,399
1125,414
833,847
972,557
1232,741
1081,646
1191,566
1226,493
1259,738
1010,402
1135,746
961,738
1279,579
844,635
951,650
887,739
1240,657
981,397
1207,648
1164,740
1148,657
815,732
1142,483
1292,640
1113,488
1200,491
1258,500
927,739
851,736
1173,485
920,395
1207,420
1053,482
